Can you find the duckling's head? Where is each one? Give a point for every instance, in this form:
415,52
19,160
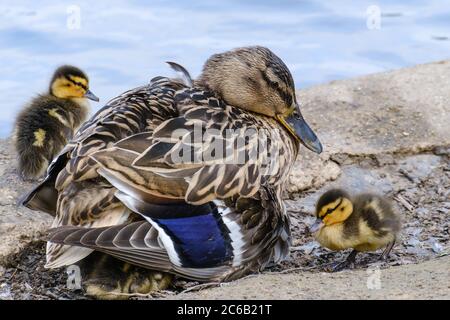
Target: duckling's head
69,82
255,79
334,206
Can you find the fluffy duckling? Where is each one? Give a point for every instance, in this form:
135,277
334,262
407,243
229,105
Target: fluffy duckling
365,222
49,121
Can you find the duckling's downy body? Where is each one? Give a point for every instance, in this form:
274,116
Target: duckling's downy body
50,120
365,222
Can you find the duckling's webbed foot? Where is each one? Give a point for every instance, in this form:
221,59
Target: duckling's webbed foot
387,251
107,278
348,263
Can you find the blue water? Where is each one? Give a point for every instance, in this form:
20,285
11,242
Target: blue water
123,44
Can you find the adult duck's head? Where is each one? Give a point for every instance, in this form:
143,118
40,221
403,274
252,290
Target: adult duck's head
255,79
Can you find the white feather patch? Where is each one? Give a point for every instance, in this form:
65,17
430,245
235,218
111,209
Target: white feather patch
166,241
235,232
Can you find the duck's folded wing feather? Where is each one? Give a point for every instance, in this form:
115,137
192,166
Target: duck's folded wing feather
235,154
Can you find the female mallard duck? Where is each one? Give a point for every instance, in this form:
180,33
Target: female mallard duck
146,181
44,127
365,222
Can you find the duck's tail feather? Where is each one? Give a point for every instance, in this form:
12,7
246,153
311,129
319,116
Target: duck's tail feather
63,253
44,196
184,74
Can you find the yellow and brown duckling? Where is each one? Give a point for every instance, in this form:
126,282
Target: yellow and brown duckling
365,222
49,121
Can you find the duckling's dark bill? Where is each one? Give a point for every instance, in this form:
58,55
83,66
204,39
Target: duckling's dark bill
91,96
316,226
301,130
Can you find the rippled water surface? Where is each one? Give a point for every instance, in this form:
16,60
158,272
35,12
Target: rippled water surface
122,44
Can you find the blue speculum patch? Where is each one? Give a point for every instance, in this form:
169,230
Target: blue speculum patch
201,241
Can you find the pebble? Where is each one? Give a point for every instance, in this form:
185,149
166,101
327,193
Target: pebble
413,242
5,292
437,247
307,248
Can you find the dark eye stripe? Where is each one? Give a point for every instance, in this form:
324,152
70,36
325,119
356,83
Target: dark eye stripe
332,209
77,83
286,97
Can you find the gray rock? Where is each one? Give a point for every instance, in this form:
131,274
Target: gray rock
18,225
402,111
5,292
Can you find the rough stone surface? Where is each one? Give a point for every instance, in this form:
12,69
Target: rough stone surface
401,111
387,133
18,225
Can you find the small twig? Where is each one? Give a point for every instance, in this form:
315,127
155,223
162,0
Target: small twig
202,286
154,294
12,276
51,295
292,270
298,211
444,253
407,175
250,276
404,202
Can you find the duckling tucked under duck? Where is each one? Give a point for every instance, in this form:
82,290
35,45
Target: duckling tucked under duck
120,186
50,120
365,222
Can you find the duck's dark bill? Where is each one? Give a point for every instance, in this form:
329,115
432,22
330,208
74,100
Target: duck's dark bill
91,96
303,132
